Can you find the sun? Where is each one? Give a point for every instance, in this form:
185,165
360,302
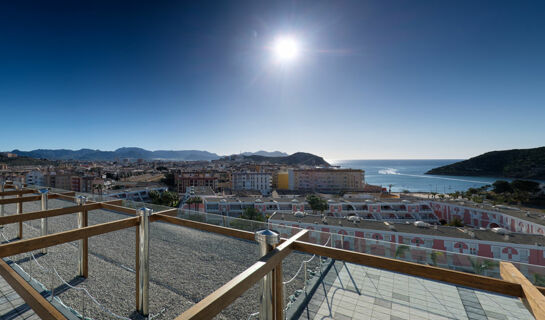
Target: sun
286,49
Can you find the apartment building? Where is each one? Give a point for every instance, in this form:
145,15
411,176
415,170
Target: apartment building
327,180
35,177
58,180
260,181
196,179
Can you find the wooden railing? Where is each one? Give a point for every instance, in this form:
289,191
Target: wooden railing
513,283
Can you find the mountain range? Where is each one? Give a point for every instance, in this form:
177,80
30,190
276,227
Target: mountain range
516,163
298,158
131,153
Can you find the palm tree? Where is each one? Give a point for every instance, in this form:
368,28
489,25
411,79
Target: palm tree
197,201
189,202
401,250
433,256
480,266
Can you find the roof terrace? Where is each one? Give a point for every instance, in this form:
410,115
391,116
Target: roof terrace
68,257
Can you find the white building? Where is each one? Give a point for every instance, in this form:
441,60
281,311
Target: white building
260,181
35,177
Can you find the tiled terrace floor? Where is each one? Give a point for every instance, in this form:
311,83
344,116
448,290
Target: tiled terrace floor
357,292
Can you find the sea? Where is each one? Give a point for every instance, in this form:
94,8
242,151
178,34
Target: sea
410,175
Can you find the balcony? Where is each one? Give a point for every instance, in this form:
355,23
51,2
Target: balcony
203,265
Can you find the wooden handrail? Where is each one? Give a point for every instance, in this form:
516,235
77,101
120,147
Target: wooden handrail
414,269
535,299
210,306
20,200
17,192
33,298
117,208
246,235
27,245
50,213
66,196
70,196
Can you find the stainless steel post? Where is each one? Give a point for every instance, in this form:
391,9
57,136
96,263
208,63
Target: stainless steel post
266,239
306,277
43,221
80,201
143,275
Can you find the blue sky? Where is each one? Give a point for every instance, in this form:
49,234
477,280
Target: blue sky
374,80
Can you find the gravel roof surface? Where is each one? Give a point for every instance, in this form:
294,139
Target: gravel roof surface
185,266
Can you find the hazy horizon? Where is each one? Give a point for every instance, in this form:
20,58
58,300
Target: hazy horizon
340,79
328,159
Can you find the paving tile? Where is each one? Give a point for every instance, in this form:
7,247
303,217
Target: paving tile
400,296
495,315
341,316
383,303
474,316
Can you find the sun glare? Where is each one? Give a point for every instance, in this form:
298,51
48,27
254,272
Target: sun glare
286,49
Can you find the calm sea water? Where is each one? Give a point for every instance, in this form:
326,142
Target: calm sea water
409,175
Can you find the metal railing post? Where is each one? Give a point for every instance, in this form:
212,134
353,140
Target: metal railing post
43,221
82,245
143,270
267,240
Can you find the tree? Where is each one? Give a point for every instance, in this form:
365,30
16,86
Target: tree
313,202
525,185
251,213
521,196
456,223
401,250
155,196
165,198
170,199
196,201
502,186
480,265
433,256
316,203
455,195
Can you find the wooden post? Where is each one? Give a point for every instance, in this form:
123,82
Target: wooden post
137,267
20,211
83,264
85,246
535,299
278,289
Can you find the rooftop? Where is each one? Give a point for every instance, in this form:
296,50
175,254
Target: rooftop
409,227
199,264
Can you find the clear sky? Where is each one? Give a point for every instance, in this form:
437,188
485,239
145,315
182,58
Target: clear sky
373,79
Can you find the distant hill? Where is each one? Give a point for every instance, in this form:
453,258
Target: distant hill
265,153
299,158
23,161
516,163
121,153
